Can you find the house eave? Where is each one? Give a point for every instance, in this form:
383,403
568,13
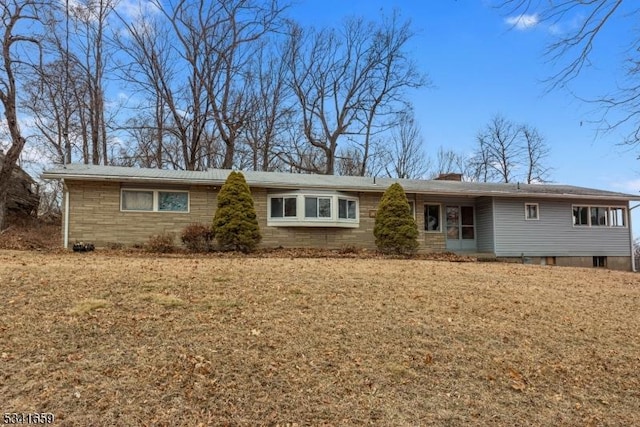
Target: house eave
372,187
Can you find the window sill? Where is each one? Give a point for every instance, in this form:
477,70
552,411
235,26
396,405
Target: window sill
307,223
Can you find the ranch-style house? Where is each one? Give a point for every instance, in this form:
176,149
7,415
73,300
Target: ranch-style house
546,224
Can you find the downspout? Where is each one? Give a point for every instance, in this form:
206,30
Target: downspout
65,234
633,255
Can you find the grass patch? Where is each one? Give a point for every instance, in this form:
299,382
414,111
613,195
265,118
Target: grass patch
317,341
164,300
88,305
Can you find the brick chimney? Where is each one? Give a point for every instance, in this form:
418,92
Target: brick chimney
449,177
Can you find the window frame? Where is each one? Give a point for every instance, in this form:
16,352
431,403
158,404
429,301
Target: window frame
156,200
284,208
347,200
609,209
526,211
302,220
426,209
318,217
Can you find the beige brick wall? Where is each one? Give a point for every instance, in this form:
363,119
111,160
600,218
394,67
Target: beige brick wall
95,215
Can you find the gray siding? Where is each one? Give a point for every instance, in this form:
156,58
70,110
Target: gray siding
554,234
484,224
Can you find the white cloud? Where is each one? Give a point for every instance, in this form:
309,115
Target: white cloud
629,186
524,21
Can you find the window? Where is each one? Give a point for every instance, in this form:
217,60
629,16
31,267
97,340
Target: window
283,207
580,215
531,211
467,222
154,201
412,208
599,216
600,261
617,217
432,217
173,201
317,207
137,200
346,209
301,209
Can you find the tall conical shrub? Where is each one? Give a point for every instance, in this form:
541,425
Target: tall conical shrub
395,228
235,225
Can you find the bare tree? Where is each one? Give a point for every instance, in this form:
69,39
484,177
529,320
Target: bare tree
537,153
270,115
90,20
572,51
16,57
450,161
507,151
499,150
345,82
407,158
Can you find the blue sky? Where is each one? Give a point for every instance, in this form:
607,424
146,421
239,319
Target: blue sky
481,65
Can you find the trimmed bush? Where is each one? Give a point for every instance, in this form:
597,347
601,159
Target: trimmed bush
160,243
235,225
197,237
395,228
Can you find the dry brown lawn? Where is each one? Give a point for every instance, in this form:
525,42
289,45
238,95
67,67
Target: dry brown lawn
135,339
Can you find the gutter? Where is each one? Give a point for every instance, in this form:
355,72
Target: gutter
65,233
633,255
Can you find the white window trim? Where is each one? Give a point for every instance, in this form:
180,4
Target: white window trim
625,216
156,200
300,220
412,207
537,205
439,205
283,217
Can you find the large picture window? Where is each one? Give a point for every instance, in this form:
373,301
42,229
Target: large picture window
154,200
599,216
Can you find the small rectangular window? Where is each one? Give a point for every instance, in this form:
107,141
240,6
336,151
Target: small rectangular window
277,207
432,217
412,208
317,207
173,201
290,206
600,261
599,216
135,200
580,215
617,217
346,209
282,207
531,211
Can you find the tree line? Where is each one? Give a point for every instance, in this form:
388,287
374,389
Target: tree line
197,84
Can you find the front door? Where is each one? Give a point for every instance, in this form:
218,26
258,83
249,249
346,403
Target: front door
461,230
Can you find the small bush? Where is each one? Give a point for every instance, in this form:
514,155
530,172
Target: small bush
197,237
235,224
161,243
395,228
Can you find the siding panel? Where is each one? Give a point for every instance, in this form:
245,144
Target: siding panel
484,226
554,234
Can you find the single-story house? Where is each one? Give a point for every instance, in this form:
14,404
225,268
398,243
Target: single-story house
547,224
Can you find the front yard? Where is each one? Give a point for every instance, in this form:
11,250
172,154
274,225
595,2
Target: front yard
136,339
